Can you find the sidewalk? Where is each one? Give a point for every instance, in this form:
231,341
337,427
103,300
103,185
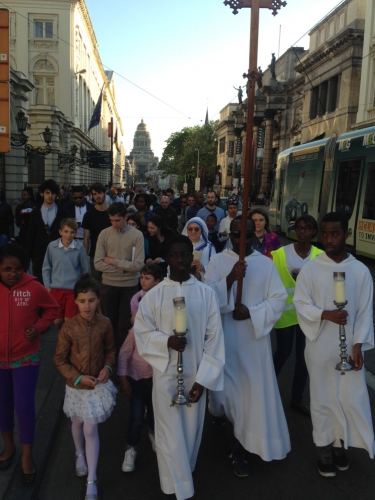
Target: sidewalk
49,399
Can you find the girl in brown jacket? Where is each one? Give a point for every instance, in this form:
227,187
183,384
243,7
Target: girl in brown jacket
85,355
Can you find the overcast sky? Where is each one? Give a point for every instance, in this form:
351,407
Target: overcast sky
189,54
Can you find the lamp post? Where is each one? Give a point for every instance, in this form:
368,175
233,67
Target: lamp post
197,179
252,77
20,139
71,159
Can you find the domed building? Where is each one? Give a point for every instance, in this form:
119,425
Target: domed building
141,155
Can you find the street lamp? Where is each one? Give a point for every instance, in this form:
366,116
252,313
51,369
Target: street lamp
20,139
196,149
71,159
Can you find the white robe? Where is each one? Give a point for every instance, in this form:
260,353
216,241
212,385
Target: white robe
340,407
178,430
251,398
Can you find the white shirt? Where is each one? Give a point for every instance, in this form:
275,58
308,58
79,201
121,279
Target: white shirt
80,212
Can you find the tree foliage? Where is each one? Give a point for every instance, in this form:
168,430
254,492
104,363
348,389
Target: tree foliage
180,156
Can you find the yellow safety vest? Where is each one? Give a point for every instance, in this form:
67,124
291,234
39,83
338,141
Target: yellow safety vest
289,316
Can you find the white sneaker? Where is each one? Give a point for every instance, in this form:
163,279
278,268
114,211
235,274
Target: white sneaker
129,460
152,439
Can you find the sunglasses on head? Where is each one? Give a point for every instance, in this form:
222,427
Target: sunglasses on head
237,234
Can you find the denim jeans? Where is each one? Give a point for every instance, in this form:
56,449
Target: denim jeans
140,400
115,302
284,339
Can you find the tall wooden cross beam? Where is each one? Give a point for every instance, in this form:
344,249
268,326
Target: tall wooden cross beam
252,75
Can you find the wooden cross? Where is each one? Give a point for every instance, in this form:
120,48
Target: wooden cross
252,74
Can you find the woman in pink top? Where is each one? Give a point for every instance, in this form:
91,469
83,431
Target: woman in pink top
136,375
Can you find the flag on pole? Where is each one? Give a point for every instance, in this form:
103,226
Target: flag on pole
95,119
116,141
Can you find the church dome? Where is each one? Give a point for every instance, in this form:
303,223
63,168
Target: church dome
142,126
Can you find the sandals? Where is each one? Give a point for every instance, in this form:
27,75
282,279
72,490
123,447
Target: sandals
81,471
5,464
92,496
29,478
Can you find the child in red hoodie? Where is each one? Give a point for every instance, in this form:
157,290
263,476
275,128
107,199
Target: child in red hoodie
21,300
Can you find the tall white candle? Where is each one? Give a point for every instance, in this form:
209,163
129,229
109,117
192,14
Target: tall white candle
180,314
180,320
339,287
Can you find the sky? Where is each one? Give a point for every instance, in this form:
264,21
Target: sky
188,54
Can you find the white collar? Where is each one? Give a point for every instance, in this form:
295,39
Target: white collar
71,246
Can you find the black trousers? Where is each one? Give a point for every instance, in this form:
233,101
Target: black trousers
115,302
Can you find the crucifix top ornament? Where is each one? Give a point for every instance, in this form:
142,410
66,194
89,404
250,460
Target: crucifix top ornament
273,5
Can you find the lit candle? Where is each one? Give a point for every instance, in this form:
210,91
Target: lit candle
180,314
339,287
197,255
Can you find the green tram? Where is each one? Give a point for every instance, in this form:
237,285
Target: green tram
334,174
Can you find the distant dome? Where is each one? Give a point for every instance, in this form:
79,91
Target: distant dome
142,126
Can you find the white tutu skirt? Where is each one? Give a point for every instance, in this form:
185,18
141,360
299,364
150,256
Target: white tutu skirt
91,406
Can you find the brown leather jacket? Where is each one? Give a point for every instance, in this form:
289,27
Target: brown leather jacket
84,348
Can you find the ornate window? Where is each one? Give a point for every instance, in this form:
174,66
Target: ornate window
44,77
43,29
44,90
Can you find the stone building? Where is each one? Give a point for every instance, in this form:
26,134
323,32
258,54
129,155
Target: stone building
142,156
304,95
366,106
54,45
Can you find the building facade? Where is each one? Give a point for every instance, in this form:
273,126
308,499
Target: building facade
142,157
53,44
305,95
366,107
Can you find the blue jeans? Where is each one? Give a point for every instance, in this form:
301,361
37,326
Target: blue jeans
284,340
140,400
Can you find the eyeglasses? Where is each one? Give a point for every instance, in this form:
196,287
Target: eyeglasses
77,197
237,234
304,228
194,229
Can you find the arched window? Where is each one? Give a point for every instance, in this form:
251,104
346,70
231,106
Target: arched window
44,81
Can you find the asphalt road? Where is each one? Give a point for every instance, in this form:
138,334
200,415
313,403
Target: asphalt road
294,478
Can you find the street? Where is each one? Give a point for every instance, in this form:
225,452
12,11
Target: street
294,478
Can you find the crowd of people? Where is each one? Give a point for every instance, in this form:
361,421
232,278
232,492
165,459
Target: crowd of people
106,265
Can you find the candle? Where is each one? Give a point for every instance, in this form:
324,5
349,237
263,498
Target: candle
339,287
197,255
180,314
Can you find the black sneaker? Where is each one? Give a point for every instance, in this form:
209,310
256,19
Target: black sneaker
239,464
340,460
326,466
219,425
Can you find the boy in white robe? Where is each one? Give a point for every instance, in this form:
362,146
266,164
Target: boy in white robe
178,430
340,406
251,398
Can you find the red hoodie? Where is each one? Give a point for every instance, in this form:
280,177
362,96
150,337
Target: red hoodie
19,309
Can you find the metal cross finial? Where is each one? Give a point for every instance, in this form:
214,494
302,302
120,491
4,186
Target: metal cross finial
273,5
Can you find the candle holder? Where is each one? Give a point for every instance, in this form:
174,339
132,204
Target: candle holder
180,320
343,366
179,399
340,302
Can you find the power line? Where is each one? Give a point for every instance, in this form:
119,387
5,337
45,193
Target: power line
104,66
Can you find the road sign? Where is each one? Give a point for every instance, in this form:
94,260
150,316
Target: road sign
4,45
99,159
4,118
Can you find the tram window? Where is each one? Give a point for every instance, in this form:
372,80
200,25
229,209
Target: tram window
347,186
369,203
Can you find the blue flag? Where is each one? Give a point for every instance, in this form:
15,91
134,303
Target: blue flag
95,119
